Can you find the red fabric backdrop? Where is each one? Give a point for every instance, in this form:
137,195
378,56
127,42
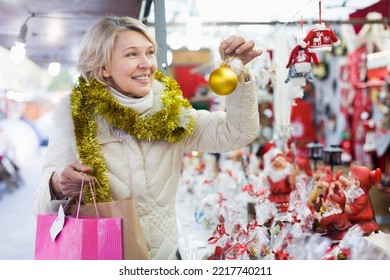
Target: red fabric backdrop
302,121
188,81
382,7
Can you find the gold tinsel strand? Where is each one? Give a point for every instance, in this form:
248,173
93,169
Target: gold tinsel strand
88,99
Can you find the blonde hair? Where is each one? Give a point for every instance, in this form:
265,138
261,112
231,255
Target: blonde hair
98,43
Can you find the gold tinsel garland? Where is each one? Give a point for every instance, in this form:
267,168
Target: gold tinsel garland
88,99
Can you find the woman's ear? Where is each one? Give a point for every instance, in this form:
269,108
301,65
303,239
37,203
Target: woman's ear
106,72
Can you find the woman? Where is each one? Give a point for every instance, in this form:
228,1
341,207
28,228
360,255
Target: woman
126,124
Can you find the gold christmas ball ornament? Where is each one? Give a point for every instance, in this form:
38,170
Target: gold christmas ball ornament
223,80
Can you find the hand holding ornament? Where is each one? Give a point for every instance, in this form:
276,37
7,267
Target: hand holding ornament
237,46
235,52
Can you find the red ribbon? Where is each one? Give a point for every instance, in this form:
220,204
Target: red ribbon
295,219
250,226
249,188
220,198
280,254
237,250
220,229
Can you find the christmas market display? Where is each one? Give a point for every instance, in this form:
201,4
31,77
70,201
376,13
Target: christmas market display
208,130
305,191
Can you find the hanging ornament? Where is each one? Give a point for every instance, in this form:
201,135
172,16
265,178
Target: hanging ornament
300,65
321,37
298,78
224,79
302,59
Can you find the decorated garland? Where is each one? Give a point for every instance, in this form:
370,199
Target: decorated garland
88,99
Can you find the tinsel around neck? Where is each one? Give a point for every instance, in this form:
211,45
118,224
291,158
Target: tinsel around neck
172,123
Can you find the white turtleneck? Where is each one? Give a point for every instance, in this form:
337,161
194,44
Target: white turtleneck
142,105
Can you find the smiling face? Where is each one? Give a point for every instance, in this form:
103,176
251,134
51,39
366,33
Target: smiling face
348,182
133,64
328,205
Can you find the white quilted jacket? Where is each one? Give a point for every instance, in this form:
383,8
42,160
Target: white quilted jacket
149,170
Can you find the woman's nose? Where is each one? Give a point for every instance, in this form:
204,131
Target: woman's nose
144,62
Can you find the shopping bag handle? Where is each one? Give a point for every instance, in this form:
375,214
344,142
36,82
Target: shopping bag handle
91,183
58,223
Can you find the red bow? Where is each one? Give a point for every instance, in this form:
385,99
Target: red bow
236,250
249,188
220,229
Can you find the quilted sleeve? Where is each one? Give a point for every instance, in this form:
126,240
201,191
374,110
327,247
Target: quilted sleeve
61,151
227,130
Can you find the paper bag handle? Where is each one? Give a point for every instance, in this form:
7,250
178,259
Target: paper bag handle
91,182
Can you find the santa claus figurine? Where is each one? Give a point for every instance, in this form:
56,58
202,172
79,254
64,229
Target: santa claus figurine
334,218
323,178
266,152
281,179
358,207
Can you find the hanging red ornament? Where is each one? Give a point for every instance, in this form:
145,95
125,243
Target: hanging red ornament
321,37
299,65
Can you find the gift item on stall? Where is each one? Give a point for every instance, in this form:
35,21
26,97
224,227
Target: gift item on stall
280,179
323,178
354,246
207,212
265,153
276,233
358,204
334,218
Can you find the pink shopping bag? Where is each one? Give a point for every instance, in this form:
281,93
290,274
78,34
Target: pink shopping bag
60,237
82,238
